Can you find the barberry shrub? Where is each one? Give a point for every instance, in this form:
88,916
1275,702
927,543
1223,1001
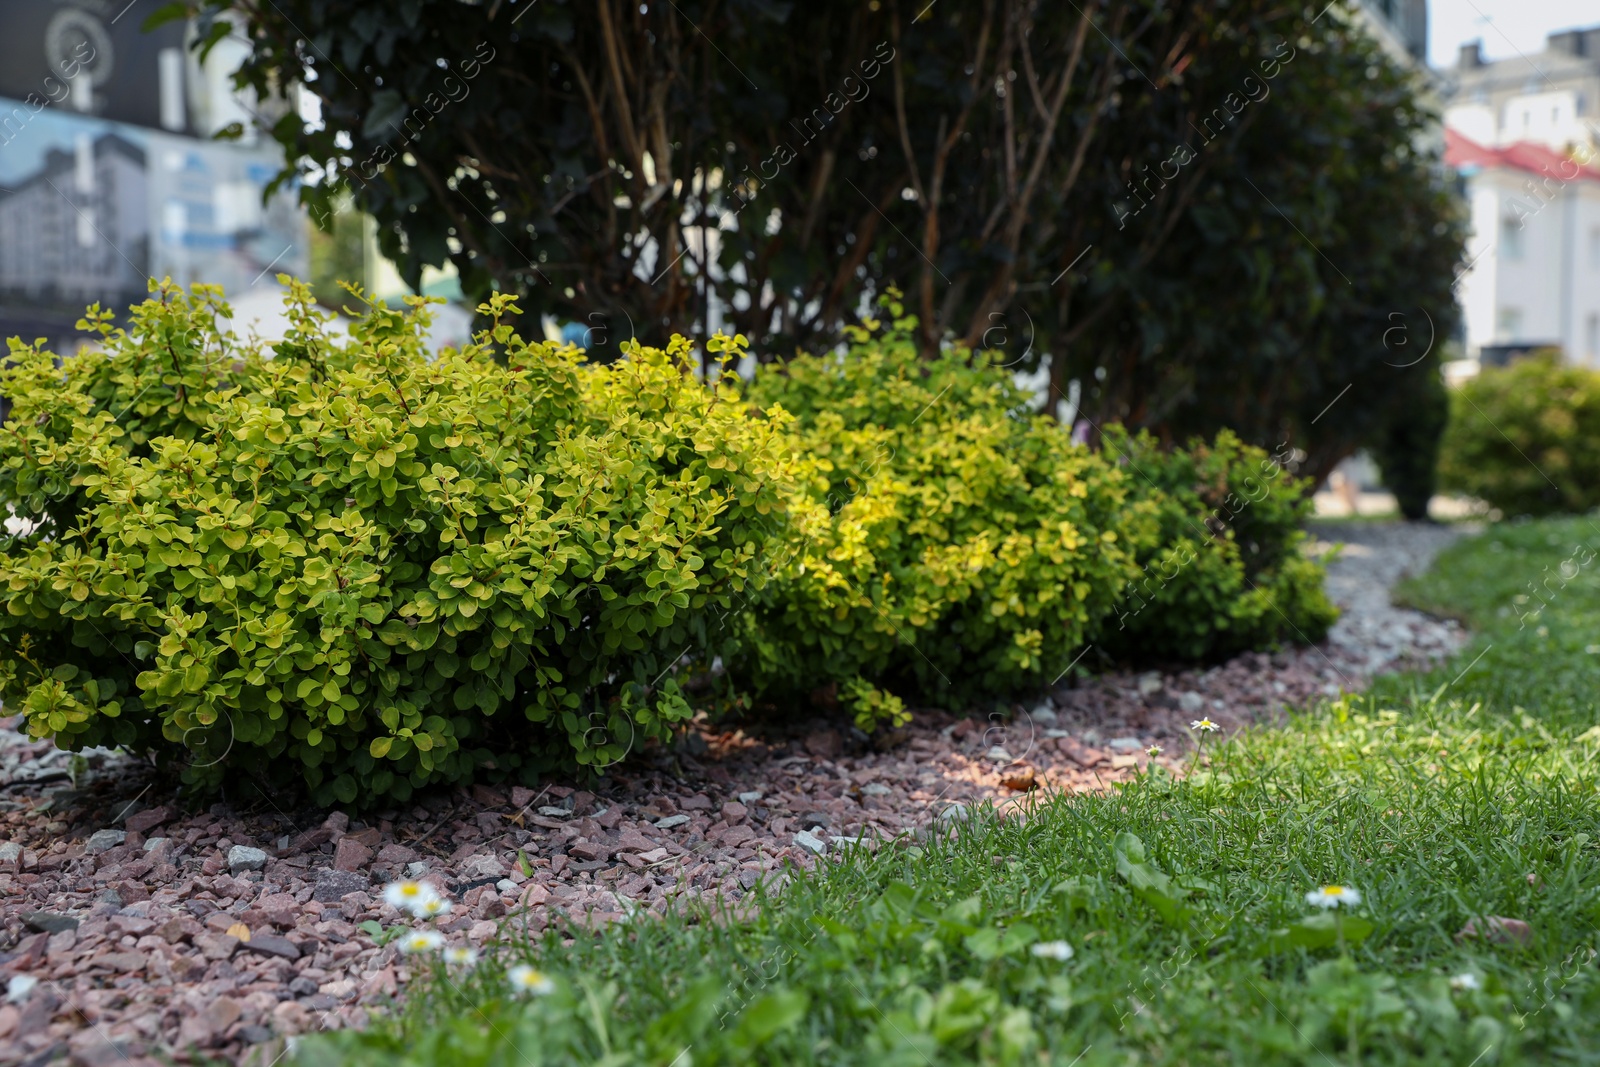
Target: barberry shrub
1216,532
954,547
336,560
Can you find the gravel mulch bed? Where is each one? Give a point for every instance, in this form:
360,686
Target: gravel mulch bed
132,929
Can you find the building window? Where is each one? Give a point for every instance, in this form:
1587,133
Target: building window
1591,337
1512,244
1508,324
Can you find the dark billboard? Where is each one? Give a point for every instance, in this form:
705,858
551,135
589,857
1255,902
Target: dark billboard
91,57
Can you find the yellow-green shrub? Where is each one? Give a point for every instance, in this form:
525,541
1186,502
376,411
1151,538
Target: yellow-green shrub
343,562
957,549
952,546
1219,550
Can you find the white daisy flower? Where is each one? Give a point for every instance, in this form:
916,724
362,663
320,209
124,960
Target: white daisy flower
461,956
1467,982
1153,751
421,941
1052,950
432,908
408,896
1331,896
1205,726
525,979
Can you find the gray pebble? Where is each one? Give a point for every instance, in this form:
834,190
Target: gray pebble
672,821
245,858
106,840
810,842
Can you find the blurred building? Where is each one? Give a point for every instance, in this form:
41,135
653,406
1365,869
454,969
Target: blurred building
1551,99
1402,27
1523,137
109,173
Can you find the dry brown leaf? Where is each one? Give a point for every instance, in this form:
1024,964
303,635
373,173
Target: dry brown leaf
1021,782
240,930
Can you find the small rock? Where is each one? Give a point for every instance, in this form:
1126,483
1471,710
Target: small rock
951,815
220,1014
216,946
810,842
480,868
634,841
1498,929
734,812
416,870
824,744
488,797
521,796
1150,683
1191,703
506,885
269,945
333,885
142,822
876,789
302,987
589,851
671,822
120,962
45,922
812,819
554,812
19,988
998,754
10,852
106,840
1125,744
351,855
482,930
1044,714
156,842
244,858
393,854
751,797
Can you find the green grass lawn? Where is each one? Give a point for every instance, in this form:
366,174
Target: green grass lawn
1443,799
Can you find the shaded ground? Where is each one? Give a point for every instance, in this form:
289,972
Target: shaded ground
178,937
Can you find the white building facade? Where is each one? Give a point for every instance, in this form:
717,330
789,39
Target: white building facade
1533,278
1523,136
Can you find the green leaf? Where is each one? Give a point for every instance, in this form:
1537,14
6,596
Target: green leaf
769,1016
1319,932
